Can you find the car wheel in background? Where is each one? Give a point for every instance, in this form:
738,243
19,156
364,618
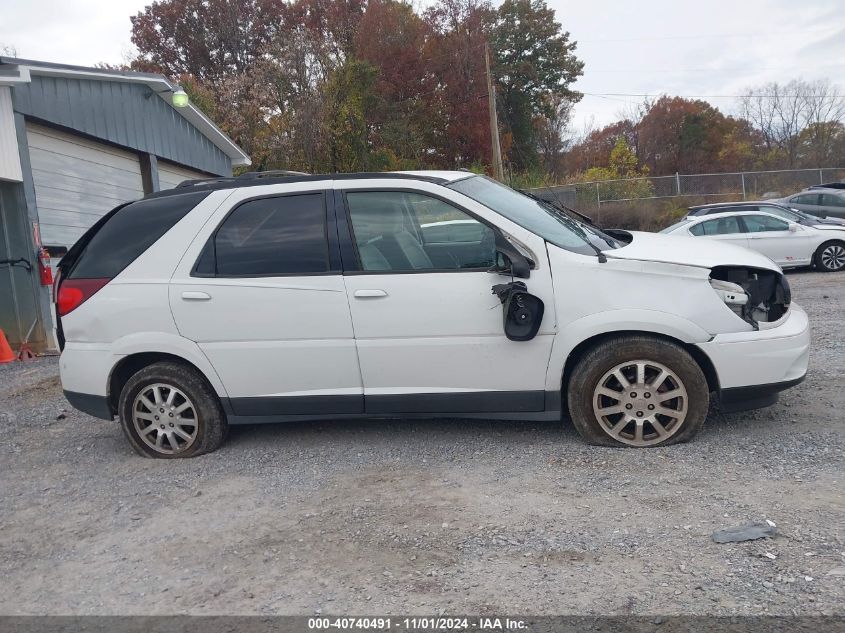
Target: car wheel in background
830,257
168,410
637,391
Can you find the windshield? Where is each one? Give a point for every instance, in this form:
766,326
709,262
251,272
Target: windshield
786,214
538,217
671,228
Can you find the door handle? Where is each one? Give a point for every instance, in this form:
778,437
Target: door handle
369,294
195,295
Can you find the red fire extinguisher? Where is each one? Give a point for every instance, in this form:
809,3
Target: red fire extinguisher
44,269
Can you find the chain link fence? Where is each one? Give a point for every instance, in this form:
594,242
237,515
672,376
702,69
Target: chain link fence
653,202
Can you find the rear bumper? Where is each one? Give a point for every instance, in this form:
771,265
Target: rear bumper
98,406
753,367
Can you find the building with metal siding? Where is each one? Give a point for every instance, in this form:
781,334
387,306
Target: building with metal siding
74,143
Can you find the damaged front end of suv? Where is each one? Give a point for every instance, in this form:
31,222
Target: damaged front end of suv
760,297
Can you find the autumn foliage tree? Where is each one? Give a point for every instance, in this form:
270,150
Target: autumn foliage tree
535,68
353,84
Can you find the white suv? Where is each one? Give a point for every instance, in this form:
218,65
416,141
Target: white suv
269,298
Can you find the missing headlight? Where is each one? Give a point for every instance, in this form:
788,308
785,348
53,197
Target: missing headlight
767,293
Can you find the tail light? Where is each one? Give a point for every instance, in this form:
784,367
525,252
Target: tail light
74,292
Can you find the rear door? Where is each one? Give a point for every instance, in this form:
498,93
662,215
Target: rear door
725,229
261,292
772,237
833,205
428,328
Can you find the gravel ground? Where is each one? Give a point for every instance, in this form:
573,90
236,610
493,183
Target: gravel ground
429,517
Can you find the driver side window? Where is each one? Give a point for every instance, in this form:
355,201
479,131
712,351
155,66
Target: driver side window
764,223
401,231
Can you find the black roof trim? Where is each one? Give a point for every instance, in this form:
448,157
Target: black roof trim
254,179
744,203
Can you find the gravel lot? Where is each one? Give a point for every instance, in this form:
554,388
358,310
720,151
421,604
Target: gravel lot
427,517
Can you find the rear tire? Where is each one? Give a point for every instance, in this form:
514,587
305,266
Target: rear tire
617,393
830,257
168,410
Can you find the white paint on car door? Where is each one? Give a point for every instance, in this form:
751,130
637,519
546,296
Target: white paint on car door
277,339
772,237
435,331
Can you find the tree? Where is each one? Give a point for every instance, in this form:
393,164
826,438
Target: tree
208,39
552,131
291,73
394,41
687,136
351,100
335,21
593,150
459,119
777,111
535,65
625,180
820,142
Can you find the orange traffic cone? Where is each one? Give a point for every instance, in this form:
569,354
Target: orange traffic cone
6,353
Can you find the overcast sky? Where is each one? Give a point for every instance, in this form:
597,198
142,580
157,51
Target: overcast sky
709,47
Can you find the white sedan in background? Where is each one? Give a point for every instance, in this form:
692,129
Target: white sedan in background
788,244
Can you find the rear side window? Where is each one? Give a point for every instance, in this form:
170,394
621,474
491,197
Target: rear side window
721,226
130,231
830,200
270,236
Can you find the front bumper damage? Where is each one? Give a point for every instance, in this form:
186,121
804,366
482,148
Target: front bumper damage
753,367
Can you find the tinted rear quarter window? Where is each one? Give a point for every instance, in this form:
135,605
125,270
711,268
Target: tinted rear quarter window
130,231
831,200
284,235
720,226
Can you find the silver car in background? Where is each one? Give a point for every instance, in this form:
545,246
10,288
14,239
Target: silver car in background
821,202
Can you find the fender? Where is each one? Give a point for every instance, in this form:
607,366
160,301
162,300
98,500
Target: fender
572,334
167,343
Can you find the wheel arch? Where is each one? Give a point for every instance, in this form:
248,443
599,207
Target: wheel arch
578,352
130,364
816,259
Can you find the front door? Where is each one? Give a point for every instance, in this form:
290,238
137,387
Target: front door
772,237
268,308
428,329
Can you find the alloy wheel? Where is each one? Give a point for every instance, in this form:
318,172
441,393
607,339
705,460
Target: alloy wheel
833,257
640,403
165,418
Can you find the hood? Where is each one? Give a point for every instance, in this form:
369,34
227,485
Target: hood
688,251
830,226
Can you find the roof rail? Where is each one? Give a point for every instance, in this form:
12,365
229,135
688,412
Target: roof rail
272,173
259,178
250,175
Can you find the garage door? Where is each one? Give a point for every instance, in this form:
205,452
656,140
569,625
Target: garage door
77,181
170,175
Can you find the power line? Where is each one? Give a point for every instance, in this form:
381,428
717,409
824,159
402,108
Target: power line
756,35
708,70
753,96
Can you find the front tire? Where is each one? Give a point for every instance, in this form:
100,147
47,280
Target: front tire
830,257
168,410
637,391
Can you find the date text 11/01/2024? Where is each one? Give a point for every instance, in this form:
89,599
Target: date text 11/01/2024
417,624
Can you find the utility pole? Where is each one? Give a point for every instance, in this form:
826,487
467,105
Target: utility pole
494,121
